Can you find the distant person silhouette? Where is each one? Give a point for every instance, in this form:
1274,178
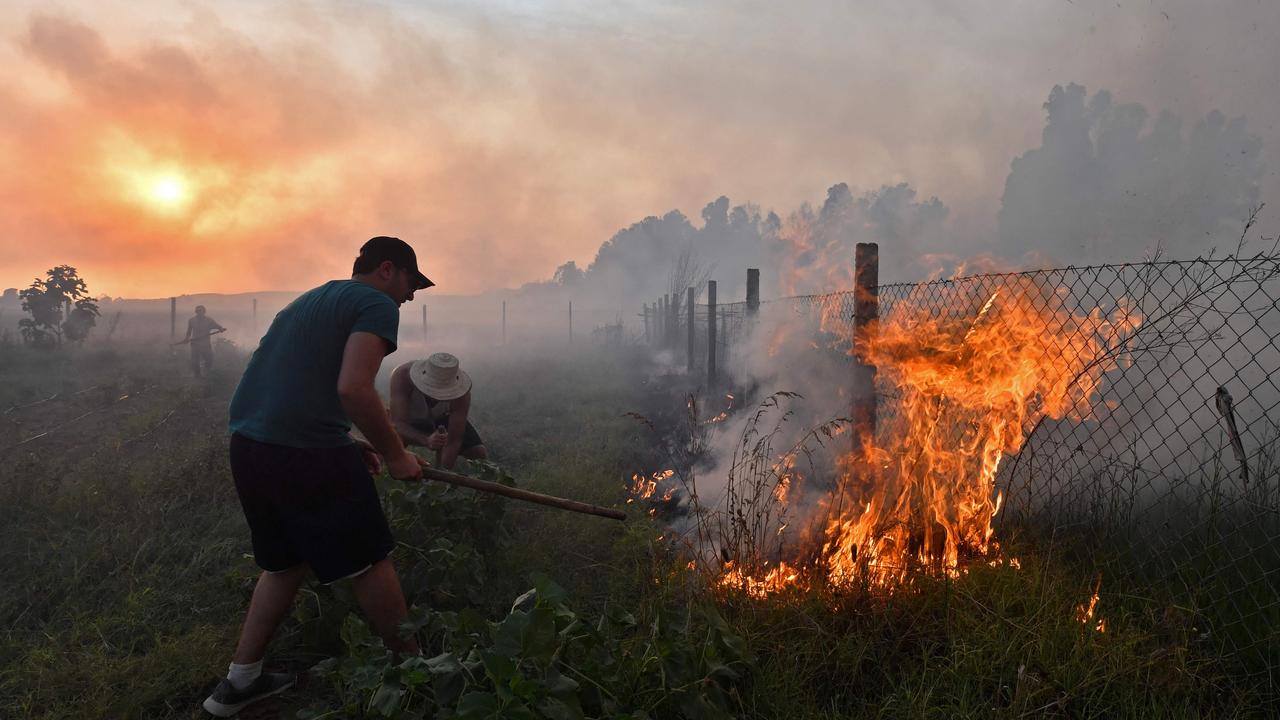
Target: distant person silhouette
199,329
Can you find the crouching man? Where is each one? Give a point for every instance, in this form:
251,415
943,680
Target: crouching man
430,401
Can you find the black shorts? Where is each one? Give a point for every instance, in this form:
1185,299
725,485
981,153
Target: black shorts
470,438
310,505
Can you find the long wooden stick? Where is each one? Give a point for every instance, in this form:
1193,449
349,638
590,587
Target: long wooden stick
432,473
184,342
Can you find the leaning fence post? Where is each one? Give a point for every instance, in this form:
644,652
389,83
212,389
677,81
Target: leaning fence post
692,330
753,291
866,309
711,334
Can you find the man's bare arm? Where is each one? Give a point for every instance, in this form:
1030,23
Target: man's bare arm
458,410
361,359
402,390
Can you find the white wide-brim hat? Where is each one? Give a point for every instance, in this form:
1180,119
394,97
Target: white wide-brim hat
439,378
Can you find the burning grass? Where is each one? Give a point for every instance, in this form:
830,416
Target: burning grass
918,497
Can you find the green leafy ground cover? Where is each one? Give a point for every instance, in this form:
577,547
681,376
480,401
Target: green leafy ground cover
125,573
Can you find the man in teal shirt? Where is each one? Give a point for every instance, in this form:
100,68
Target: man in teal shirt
304,483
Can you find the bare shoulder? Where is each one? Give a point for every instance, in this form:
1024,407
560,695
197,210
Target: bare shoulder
401,385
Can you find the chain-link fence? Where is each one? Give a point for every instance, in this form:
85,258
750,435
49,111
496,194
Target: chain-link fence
1162,479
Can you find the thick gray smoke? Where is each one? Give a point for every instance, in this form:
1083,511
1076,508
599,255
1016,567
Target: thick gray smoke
1111,184
811,251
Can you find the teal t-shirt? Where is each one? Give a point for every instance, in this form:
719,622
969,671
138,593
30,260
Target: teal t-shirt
288,394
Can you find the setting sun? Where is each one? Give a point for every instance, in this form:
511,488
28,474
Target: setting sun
168,190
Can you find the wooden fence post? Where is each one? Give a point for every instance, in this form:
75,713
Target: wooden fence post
666,322
674,327
663,336
753,291
173,318
657,322
711,334
724,332
866,310
689,312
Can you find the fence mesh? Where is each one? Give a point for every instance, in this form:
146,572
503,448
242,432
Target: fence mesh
1165,484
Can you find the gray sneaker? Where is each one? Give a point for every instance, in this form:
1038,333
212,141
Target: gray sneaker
226,700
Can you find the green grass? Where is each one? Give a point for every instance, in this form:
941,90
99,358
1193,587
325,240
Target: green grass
123,552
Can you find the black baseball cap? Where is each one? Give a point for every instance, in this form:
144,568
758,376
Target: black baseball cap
382,248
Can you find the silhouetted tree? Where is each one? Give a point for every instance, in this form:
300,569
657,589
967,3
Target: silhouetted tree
60,306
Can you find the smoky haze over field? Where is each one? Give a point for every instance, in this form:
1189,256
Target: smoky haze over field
236,147
974,152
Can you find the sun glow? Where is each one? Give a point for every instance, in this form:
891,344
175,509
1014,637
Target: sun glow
149,177
168,190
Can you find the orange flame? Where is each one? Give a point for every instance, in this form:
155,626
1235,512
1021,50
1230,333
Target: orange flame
643,488
1085,612
921,496
775,580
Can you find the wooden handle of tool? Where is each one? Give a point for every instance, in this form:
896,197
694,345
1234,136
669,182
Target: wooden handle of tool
432,473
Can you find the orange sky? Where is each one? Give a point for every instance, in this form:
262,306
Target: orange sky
225,147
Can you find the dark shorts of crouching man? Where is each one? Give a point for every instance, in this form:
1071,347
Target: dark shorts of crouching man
317,506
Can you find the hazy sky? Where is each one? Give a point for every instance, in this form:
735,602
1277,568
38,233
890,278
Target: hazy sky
178,147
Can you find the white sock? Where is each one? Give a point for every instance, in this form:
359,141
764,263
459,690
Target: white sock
242,675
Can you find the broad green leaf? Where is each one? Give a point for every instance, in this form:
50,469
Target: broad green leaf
386,700
443,663
448,687
557,709
499,667
477,706
548,591
560,685
539,637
